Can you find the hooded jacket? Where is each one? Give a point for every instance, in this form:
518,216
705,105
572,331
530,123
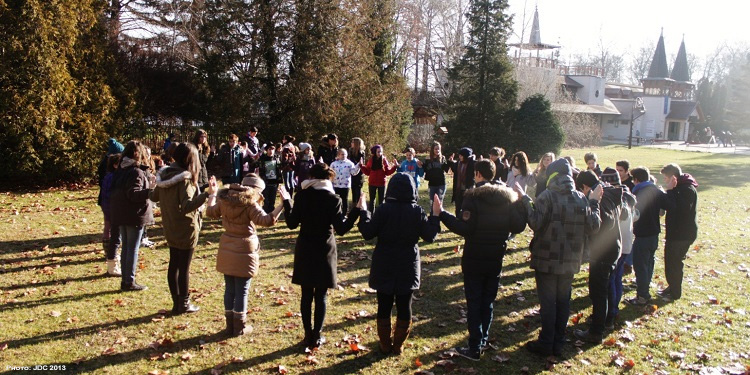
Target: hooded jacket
651,200
606,244
239,245
398,224
561,219
179,202
129,204
468,182
490,212
681,205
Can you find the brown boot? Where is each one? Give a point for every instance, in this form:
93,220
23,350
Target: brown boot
403,328
384,334
229,315
240,326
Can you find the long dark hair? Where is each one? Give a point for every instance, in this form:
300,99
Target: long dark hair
523,162
377,162
203,147
186,157
137,151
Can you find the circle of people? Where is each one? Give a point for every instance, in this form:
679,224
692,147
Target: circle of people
609,218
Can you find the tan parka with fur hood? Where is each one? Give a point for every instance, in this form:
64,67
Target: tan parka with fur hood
239,245
179,202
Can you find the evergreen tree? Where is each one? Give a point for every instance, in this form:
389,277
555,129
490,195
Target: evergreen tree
54,100
484,91
737,111
537,130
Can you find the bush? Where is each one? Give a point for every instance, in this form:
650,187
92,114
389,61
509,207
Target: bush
536,130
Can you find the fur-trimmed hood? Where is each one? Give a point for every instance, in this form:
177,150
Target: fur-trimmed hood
236,195
492,194
171,176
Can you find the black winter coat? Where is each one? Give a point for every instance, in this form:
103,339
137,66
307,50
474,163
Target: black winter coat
606,245
317,213
468,178
328,154
490,212
435,170
681,205
650,200
501,171
128,202
398,224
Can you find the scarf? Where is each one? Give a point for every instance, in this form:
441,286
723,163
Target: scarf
642,185
318,185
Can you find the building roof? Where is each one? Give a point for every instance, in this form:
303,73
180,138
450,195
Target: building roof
658,68
680,69
570,82
592,109
535,39
681,109
625,107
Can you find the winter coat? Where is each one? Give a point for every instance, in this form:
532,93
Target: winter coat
489,214
270,169
328,153
105,193
205,159
630,215
229,162
317,211
239,246
288,158
541,183
179,202
525,181
606,245
302,169
412,169
561,218
344,169
681,205
357,178
398,224
501,171
468,177
129,204
377,177
435,170
650,201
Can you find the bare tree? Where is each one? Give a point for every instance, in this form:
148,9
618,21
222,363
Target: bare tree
640,61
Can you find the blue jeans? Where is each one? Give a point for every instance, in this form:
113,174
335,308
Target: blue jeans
554,307
433,190
131,242
644,249
615,288
480,291
235,293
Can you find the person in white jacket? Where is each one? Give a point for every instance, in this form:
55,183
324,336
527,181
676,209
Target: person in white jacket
344,169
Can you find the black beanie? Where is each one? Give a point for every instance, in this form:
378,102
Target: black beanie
587,178
610,175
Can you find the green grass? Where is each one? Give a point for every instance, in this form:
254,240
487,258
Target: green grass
51,263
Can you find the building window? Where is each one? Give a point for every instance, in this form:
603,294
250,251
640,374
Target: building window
623,122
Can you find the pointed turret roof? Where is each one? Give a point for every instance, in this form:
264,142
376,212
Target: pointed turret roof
680,70
659,67
535,37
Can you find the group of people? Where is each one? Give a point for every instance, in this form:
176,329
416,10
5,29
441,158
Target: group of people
577,216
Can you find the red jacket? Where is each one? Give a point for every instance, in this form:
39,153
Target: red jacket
377,178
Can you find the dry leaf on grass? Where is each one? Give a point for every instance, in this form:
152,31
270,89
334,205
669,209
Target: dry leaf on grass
55,313
158,372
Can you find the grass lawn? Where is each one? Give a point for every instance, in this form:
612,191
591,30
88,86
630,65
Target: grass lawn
57,308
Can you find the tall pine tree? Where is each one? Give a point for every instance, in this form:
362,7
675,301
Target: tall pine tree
484,91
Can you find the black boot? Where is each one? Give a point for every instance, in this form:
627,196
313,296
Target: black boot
184,305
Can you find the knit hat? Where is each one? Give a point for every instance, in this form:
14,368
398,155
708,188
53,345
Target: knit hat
610,175
374,148
114,147
253,180
559,166
304,146
587,178
466,152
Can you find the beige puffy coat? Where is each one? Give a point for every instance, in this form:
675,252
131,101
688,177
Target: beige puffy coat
239,245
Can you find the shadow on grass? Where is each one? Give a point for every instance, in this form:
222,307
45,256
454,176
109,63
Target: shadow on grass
56,282
13,247
54,300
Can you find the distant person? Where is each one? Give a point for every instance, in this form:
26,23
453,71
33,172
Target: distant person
490,213
412,166
112,232
650,201
463,176
200,141
253,145
105,169
497,155
179,198
378,169
395,273
572,161
168,141
623,168
561,218
238,258
270,171
681,226
540,173
357,156
344,169
329,148
520,172
591,163
317,211
288,160
230,160
131,209
435,168
303,162
629,215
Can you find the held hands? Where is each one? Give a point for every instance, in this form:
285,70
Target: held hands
437,206
395,162
151,181
283,193
519,189
597,193
450,158
419,163
362,203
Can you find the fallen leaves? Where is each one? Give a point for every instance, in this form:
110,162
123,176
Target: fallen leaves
619,360
417,362
109,351
158,372
186,356
55,313
501,358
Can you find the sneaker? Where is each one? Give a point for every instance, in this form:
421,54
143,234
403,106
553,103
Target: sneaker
666,291
146,243
588,336
469,354
133,287
637,301
487,347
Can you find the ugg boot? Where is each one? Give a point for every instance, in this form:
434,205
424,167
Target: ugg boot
184,305
400,333
384,334
240,326
229,315
113,268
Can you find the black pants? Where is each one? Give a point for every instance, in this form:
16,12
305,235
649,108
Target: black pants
403,305
344,194
458,198
380,190
319,295
356,189
674,255
269,197
599,274
178,273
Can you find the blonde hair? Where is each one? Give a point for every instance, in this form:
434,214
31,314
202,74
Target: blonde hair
541,168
